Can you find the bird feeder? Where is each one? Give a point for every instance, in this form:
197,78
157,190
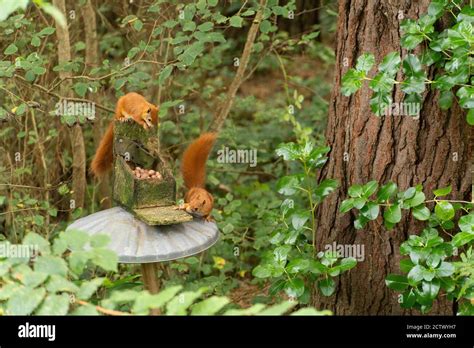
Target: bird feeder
146,227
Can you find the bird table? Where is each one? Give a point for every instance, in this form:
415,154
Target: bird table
146,227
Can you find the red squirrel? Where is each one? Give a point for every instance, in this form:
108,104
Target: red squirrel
131,106
197,201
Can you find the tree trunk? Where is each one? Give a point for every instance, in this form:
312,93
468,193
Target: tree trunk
92,61
77,139
432,151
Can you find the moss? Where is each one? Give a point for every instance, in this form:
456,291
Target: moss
162,215
130,191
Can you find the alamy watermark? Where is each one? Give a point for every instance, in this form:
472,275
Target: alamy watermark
402,109
8,250
227,155
74,108
357,251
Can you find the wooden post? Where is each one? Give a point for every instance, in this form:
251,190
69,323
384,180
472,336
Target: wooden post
151,281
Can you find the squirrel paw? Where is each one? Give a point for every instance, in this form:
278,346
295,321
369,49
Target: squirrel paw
209,219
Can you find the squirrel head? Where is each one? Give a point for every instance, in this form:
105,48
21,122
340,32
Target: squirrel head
149,115
199,202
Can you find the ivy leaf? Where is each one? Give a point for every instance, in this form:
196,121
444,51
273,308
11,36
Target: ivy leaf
445,100
393,214
442,191
421,213
396,282
470,117
390,64
444,210
297,265
370,210
415,275
346,205
327,286
365,62
386,192
352,81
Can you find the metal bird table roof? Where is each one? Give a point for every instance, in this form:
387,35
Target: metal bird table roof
136,242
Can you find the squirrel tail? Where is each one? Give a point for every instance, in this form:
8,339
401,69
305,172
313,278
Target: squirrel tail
193,166
104,157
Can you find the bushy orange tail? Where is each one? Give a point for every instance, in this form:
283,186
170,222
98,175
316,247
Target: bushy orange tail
104,156
193,166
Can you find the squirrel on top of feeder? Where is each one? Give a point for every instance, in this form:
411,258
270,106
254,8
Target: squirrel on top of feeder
131,106
197,201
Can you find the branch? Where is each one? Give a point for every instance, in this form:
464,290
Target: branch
223,112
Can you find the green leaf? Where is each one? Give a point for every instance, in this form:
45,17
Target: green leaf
51,265
262,271
164,74
299,219
209,306
466,223
415,275
444,210
445,100
58,283
54,305
288,185
265,26
470,117
445,269
297,265
391,63
393,214
11,49
105,258
442,191
365,62
138,25
346,205
462,238
396,282
327,286
80,88
370,210
386,192
25,301
279,309
236,21
421,213
369,188
294,287
352,81
179,304
324,188
205,26
88,288
355,191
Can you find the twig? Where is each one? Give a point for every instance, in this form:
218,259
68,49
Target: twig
223,112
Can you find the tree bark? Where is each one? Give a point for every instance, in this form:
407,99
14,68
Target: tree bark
77,139
401,149
92,61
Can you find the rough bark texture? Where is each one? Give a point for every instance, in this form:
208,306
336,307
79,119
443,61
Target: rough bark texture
77,139
391,148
